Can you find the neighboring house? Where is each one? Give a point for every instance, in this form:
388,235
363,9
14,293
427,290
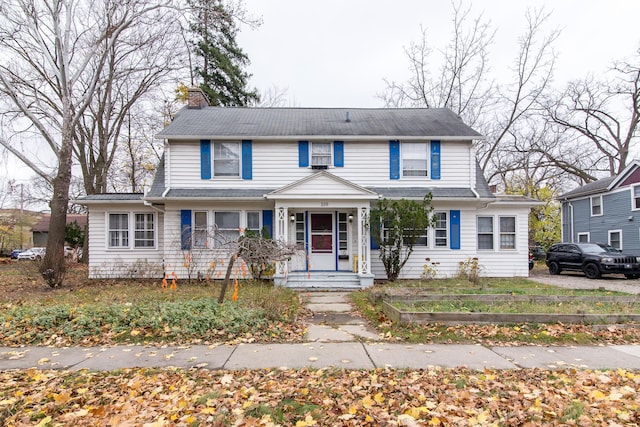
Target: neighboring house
40,230
308,176
605,211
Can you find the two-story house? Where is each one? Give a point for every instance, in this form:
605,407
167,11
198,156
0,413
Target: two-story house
605,211
308,176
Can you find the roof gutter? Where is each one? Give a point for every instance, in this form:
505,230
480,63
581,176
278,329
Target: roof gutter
362,138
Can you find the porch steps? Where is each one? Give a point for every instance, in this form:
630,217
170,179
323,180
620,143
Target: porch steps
329,280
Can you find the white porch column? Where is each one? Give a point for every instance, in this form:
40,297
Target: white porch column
364,245
281,233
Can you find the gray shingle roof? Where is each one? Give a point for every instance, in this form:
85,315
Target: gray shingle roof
122,197
590,188
420,192
218,193
212,122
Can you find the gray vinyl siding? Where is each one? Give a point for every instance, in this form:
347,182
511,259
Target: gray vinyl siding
616,214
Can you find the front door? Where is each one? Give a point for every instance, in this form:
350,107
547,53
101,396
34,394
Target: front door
322,254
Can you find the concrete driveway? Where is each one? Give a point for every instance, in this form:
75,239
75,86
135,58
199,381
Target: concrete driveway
576,280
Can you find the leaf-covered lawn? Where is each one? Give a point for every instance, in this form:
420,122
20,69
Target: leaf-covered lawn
436,397
92,312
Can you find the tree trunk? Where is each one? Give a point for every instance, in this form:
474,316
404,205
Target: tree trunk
227,278
53,264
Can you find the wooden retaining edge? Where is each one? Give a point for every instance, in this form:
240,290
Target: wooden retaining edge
511,298
403,317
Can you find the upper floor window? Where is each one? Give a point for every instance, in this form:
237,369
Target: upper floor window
635,193
415,158
507,232
226,159
321,154
596,205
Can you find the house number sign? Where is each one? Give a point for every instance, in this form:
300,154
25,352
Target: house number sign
324,204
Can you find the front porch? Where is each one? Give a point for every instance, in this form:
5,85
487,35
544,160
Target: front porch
327,218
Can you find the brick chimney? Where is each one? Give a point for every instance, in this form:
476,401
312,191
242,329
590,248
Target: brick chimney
197,98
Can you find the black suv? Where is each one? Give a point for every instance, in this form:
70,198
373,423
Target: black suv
591,259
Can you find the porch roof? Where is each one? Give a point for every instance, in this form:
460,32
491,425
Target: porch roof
420,192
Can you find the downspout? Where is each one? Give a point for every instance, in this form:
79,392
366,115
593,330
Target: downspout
571,220
149,204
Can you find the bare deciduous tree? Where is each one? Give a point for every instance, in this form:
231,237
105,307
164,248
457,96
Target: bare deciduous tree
139,61
460,81
603,119
58,50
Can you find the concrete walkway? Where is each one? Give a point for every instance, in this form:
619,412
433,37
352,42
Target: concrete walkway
336,338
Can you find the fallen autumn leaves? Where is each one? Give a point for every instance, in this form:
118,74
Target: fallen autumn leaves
319,397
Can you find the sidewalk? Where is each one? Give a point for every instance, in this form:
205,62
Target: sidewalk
335,339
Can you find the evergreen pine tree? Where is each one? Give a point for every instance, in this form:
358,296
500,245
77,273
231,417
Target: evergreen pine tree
221,60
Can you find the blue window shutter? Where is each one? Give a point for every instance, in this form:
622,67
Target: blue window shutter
267,222
435,159
454,229
394,159
246,160
374,244
185,228
338,154
205,159
303,154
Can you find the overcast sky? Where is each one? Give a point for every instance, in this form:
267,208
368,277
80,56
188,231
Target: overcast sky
335,53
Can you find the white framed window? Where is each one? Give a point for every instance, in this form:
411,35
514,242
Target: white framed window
253,223
615,238
120,224
415,159
227,227
584,237
422,239
321,154
635,197
144,231
226,159
507,232
485,232
118,230
596,205
200,229
441,229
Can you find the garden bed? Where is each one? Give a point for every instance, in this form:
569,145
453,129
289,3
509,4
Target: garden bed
501,308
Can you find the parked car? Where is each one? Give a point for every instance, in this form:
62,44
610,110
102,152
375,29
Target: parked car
14,253
537,252
32,254
608,248
592,260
